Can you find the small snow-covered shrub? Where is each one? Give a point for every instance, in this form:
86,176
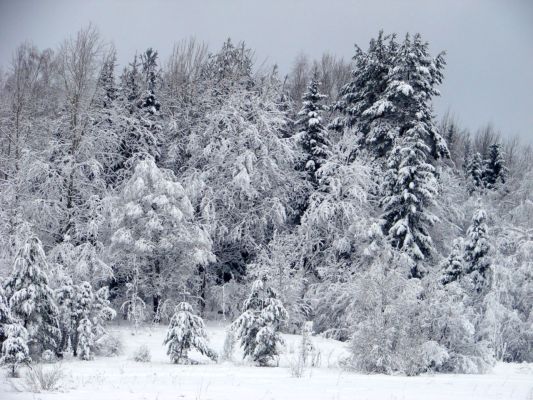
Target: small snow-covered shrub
108,346
297,366
49,357
229,345
40,378
142,354
307,348
15,348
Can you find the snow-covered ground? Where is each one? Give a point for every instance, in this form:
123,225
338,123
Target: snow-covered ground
120,377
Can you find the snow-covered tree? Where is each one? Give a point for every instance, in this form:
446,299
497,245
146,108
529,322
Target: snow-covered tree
312,134
5,315
363,103
242,177
134,307
65,296
156,232
15,349
494,169
76,304
477,248
31,298
102,312
186,331
258,326
410,186
85,337
474,172
454,267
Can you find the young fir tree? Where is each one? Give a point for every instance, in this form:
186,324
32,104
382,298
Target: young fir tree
474,172
313,135
258,326
15,348
85,336
186,331
476,256
453,267
31,299
494,169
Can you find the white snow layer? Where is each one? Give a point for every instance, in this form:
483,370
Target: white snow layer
120,378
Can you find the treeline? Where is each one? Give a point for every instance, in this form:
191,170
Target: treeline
187,180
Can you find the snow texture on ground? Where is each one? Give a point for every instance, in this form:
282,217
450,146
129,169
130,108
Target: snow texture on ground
120,377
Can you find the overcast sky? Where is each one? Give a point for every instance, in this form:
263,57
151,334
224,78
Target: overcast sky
489,43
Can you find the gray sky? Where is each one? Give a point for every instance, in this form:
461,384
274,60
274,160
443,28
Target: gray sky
489,76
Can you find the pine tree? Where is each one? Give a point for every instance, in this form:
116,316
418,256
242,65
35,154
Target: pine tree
476,256
186,331
15,349
31,299
494,169
258,326
313,135
453,268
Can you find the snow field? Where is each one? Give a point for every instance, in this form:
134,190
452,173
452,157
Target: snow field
122,378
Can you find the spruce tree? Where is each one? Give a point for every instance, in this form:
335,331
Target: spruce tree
411,188
31,299
258,326
477,248
474,172
151,78
186,331
363,102
454,267
313,135
411,184
494,169
81,340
